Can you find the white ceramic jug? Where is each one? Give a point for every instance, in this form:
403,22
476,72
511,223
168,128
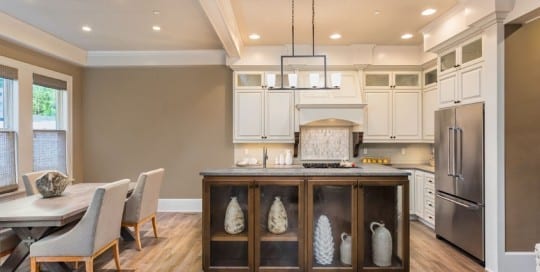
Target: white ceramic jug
381,240
346,248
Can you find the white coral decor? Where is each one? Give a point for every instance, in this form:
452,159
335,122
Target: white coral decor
323,241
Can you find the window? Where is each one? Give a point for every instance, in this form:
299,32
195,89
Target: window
8,165
49,99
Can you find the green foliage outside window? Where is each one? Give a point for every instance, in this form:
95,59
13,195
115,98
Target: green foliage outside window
44,101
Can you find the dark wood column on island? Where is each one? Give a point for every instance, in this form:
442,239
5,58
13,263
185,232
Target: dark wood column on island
329,213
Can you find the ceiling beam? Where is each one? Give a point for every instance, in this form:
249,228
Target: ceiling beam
221,16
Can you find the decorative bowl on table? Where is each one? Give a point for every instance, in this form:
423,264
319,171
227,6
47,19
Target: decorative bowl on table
52,184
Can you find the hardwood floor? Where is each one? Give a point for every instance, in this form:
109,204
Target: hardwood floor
179,250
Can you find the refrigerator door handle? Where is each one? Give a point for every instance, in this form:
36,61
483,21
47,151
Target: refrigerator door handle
459,148
470,207
451,159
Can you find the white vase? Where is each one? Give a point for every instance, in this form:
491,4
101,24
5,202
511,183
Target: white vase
345,249
288,157
381,240
323,241
277,217
234,217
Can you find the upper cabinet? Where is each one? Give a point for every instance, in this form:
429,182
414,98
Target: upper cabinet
430,77
259,80
466,54
263,116
393,116
260,113
393,80
461,74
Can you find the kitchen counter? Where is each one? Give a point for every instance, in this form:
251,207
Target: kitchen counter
422,167
361,170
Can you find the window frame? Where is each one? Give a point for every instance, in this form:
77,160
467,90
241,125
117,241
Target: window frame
9,106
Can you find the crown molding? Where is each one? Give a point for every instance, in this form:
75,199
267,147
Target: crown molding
156,58
23,34
221,15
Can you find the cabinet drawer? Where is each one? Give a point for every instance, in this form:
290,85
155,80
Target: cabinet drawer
429,217
429,194
429,206
429,182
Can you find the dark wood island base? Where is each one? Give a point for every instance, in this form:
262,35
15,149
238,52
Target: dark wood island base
350,203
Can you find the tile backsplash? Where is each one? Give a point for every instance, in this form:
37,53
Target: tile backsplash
325,143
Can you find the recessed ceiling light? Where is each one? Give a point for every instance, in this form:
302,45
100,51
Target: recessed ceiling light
254,36
156,12
376,12
429,11
86,28
406,36
156,28
335,36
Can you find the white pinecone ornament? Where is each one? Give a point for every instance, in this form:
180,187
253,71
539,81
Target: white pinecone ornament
323,241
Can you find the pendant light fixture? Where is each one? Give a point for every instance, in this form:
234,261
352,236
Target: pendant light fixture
314,78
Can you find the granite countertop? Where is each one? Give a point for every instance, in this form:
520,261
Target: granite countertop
361,170
422,167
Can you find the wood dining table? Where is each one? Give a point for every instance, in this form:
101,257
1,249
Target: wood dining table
34,217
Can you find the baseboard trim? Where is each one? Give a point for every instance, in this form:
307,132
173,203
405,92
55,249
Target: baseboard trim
193,205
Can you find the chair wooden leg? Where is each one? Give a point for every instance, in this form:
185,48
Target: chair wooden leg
138,237
89,263
117,255
154,225
34,267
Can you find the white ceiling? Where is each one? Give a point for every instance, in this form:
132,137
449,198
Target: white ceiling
353,19
127,24
119,24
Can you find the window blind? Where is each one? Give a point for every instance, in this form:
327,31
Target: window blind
49,82
8,173
8,72
50,150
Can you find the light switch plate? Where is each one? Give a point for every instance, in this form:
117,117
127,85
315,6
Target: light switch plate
403,151
365,150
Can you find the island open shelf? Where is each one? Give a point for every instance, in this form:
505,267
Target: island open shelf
320,211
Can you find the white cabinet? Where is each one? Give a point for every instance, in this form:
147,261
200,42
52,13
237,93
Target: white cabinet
254,80
461,74
392,80
248,115
279,116
393,116
419,193
412,202
429,199
429,106
348,93
263,116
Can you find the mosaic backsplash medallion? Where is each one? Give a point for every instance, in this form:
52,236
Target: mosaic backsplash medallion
325,143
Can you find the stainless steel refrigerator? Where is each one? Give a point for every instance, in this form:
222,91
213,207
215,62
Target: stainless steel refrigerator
459,177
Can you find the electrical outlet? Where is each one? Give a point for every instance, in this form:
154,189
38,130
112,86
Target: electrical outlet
403,151
365,150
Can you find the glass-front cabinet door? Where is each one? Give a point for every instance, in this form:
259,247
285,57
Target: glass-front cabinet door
227,215
448,61
279,227
377,80
384,225
331,224
407,80
471,51
249,80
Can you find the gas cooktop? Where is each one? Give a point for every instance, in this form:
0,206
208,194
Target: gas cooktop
322,165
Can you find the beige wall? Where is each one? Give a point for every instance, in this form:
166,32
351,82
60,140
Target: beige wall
178,118
23,54
522,143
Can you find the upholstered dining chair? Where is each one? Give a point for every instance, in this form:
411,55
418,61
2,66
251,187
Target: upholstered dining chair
142,204
8,241
29,180
98,230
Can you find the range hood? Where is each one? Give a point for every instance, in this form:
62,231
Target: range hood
331,115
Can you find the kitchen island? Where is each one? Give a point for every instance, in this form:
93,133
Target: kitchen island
327,224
